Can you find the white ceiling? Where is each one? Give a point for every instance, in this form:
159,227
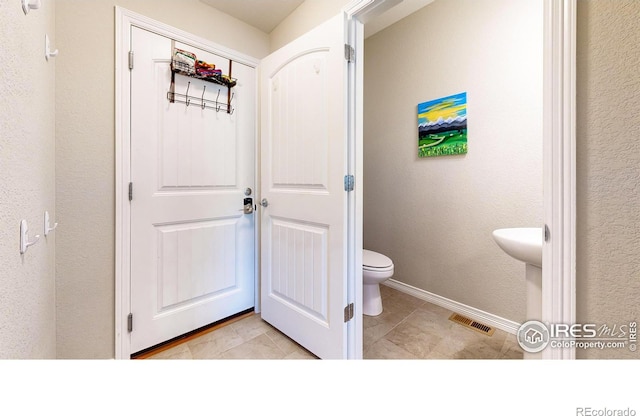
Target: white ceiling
267,14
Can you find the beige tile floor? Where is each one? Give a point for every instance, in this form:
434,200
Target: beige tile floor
408,328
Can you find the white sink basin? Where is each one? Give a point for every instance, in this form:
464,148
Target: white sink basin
524,244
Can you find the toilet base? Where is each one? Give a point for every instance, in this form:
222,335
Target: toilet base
371,300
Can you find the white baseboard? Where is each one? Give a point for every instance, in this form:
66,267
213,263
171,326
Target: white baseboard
468,311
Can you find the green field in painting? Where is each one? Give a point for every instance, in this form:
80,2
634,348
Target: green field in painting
451,143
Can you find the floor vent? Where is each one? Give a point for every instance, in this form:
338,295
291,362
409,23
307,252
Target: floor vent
471,324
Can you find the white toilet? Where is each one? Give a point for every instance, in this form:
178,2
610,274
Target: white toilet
376,268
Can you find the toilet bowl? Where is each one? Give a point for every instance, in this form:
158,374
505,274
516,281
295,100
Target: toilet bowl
376,268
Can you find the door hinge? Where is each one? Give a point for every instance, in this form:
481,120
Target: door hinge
348,312
130,191
349,183
349,53
130,322
130,60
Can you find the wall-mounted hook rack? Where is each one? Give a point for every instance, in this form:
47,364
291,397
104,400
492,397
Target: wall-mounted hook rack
24,237
47,224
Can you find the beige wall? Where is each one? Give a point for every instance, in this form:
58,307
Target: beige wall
307,16
608,166
85,154
27,170
434,216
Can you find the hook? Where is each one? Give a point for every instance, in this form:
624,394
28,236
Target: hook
24,237
47,224
203,105
229,108
217,102
30,5
48,53
186,99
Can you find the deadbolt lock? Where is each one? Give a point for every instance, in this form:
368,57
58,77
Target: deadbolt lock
248,206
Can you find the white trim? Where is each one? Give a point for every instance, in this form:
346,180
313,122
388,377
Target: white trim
466,310
559,107
122,175
126,19
356,13
365,10
559,166
130,18
355,167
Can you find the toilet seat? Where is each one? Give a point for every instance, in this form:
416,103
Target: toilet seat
377,269
375,261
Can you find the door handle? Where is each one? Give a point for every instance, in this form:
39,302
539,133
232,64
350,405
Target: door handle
264,202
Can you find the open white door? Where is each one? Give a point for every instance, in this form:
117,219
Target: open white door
304,157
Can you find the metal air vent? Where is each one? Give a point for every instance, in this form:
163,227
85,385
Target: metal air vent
471,324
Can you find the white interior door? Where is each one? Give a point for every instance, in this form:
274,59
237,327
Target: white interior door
303,164
192,246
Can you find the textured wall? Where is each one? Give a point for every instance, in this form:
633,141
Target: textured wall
434,216
27,169
85,154
608,166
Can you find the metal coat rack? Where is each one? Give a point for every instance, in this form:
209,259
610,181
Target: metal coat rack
203,103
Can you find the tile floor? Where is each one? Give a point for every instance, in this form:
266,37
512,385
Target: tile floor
408,328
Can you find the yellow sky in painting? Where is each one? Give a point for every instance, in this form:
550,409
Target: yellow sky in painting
444,109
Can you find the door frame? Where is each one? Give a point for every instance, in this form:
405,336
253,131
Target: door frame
125,20
559,168
559,156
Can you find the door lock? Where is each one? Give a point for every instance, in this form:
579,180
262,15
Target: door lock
248,206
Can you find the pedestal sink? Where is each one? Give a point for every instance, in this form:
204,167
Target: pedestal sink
525,244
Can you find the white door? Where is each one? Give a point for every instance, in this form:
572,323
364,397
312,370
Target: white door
192,247
303,164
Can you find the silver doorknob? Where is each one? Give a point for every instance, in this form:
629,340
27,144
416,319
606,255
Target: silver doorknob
264,202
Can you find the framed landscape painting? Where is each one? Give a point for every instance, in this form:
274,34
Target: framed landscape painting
442,126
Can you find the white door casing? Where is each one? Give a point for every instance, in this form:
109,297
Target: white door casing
559,168
192,246
304,156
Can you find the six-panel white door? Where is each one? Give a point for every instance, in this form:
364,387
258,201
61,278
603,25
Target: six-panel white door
303,163
192,247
